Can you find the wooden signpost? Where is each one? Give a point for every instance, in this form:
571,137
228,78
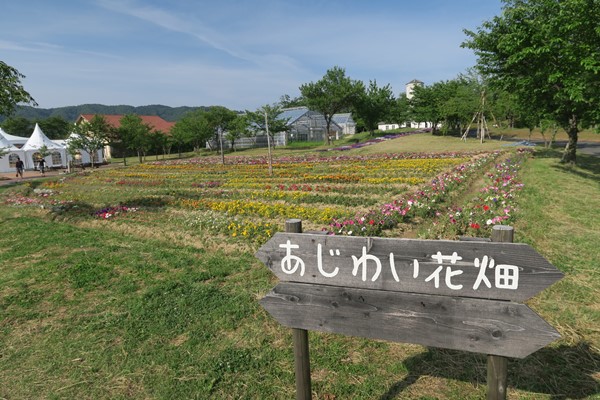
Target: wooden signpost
447,294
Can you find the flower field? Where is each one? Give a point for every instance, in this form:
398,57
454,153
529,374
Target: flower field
142,282
343,194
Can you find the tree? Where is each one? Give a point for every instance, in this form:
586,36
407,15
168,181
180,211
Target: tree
90,136
18,126
374,105
463,101
504,107
401,111
334,93
55,127
286,101
267,119
11,90
425,105
546,52
238,128
160,142
258,123
192,129
219,118
135,135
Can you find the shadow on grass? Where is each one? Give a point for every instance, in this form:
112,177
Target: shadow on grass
148,203
588,167
77,209
564,372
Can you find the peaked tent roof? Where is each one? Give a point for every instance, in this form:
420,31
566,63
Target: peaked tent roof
38,140
114,120
12,138
4,143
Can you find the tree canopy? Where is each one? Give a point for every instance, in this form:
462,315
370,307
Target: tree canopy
546,53
11,90
55,127
18,126
258,123
193,128
135,134
238,128
374,105
333,93
90,136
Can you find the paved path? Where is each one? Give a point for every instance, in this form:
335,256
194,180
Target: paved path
592,148
9,178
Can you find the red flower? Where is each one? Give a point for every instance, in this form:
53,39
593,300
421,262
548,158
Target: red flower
475,225
486,207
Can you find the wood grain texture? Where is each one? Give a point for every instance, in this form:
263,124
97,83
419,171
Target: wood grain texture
535,272
475,325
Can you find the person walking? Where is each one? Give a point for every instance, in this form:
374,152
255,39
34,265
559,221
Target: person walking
41,165
20,166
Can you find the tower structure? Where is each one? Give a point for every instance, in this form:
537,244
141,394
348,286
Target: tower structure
410,87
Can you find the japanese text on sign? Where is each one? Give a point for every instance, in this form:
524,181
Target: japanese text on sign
368,266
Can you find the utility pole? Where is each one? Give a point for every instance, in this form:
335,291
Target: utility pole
220,133
269,144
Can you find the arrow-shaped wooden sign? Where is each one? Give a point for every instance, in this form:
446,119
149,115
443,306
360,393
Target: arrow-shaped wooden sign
501,271
448,294
481,326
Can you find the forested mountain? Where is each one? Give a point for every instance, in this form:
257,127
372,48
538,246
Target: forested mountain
71,113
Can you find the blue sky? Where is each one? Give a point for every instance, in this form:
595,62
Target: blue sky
238,54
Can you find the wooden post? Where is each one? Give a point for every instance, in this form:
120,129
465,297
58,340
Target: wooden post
301,353
497,366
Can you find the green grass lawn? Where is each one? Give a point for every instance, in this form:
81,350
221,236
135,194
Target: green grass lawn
152,306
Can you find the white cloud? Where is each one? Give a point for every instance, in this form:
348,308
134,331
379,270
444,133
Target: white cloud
234,53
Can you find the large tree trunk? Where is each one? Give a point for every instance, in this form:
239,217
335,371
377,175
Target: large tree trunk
570,153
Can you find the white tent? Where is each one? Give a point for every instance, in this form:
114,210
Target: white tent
29,151
17,141
7,162
38,140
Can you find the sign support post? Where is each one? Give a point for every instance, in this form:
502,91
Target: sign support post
301,352
497,366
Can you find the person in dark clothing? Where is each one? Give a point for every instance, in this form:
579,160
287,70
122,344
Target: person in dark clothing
20,166
42,165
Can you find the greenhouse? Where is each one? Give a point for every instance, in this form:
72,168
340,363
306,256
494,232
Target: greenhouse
304,125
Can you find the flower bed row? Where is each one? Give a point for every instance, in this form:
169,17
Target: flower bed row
423,203
495,204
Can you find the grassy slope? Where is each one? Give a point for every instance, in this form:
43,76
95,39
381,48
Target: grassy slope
116,314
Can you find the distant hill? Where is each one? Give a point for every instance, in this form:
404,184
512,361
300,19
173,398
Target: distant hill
71,113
